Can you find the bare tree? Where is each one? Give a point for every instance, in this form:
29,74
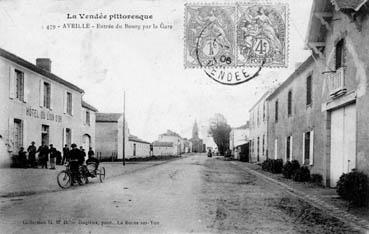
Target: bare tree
220,130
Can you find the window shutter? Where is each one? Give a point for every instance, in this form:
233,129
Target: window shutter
311,147
11,83
11,133
71,103
291,146
276,149
285,155
25,87
24,133
52,100
303,148
65,102
41,93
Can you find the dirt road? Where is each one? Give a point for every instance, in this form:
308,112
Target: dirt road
195,194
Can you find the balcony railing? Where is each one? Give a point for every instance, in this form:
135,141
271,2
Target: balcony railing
336,82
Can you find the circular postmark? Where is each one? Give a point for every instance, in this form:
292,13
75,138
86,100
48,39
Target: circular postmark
212,56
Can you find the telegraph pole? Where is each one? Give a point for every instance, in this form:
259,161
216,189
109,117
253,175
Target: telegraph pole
124,128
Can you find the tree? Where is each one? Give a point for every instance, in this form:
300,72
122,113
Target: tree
220,130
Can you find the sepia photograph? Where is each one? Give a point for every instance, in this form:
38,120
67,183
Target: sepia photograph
184,116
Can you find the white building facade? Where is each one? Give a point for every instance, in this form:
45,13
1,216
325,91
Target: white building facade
258,130
38,106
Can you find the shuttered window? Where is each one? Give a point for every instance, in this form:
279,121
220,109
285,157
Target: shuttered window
19,85
276,111
309,100
47,95
289,103
69,103
339,54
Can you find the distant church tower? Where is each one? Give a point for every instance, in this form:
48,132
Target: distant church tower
197,143
195,131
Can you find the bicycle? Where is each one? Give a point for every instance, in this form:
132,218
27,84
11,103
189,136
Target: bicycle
65,177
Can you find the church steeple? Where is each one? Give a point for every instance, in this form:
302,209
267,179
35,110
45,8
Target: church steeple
195,131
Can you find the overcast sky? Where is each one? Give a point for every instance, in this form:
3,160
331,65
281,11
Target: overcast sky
161,94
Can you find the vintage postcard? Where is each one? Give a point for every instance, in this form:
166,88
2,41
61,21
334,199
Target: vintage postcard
175,116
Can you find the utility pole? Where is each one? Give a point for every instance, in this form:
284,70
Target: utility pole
124,128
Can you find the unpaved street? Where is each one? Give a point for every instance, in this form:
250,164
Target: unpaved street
195,194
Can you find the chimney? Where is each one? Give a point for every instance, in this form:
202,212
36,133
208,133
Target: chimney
44,63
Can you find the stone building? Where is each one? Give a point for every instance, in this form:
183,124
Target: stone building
258,130
338,35
37,105
237,137
327,127
162,148
175,138
138,148
109,135
197,143
295,121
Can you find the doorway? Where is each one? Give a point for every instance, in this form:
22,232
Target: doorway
45,134
343,142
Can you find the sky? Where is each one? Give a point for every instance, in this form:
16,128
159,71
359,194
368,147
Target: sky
147,64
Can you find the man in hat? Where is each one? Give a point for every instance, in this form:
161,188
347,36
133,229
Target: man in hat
52,157
43,155
75,159
32,154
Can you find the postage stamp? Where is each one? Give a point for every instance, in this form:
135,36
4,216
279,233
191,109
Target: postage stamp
238,35
210,36
262,34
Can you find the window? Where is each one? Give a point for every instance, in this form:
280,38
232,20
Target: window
19,85
47,95
88,118
68,136
276,111
289,148
263,111
309,100
69,103
308,148
289,103
339,54
18,134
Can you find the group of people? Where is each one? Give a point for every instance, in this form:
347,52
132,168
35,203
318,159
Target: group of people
50,154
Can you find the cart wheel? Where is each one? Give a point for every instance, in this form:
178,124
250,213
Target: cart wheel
64,179
102,174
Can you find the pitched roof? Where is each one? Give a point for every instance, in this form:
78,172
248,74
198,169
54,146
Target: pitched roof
34,68
348,4
245,126
108,117
162,144
297,72
88,106
136,139
170,133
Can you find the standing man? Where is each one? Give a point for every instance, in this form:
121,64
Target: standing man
43,155
53,153
90,152
32,154
83,155
66,156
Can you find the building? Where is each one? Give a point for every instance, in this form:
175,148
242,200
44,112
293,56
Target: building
162,148
138,148
109,135
258,130
197,143
237,137
88,125
175,138
338,35
37,105
295,121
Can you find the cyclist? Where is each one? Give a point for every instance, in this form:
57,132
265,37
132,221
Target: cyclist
75,163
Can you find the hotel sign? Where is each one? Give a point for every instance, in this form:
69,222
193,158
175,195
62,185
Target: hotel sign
41,114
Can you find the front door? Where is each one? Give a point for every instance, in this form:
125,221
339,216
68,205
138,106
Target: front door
343,142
